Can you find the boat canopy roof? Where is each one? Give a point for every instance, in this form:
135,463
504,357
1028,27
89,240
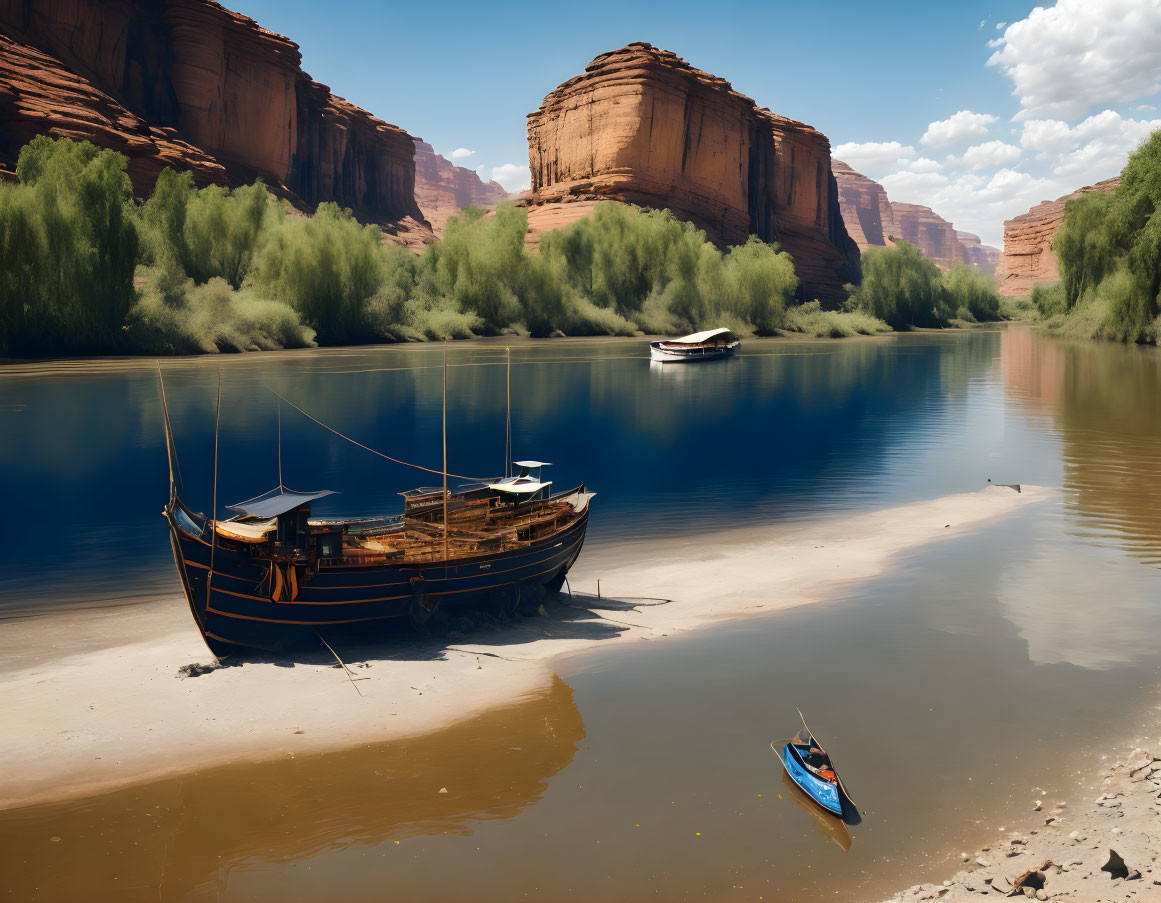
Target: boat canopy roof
278,501
532,463
698,337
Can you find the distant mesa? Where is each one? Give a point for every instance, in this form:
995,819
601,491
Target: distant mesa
192,85
873,221
443,189
1028,257
642,126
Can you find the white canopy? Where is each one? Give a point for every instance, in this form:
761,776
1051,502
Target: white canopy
519,485
698,337
531,463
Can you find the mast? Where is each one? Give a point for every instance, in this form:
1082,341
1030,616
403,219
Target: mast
278,408
445,555
508,421
165,421
214,508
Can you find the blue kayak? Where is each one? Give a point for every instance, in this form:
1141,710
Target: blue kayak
819,789
809,766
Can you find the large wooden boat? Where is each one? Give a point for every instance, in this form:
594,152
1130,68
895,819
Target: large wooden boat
700,346
272,577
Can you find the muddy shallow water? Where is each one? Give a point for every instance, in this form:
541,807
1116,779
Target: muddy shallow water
949,690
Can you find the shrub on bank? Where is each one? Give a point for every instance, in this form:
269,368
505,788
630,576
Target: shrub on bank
1108,250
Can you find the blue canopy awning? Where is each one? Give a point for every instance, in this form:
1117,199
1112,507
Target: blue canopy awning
278,501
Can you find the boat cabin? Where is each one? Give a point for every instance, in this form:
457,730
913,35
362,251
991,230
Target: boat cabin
284,517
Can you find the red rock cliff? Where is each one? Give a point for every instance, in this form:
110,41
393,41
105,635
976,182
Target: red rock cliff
188,83
442,189
867,212
976,253
1028,257
873,220
642,126
928,231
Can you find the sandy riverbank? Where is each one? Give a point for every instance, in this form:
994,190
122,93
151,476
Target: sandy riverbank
1102,846
100,703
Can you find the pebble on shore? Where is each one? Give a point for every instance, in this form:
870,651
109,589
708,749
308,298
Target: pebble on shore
1111,853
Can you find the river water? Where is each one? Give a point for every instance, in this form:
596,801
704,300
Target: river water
981,673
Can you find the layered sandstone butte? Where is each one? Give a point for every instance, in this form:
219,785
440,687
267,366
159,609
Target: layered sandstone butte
928,231
867,212
443,189
190,84
642,126
1028,257
976,253
873,220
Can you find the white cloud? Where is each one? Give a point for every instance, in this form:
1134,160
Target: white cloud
924,164
1066,59
872,157
512,176
974,202
460,153
1089,151
1000,26
987,155
957,127
1145,106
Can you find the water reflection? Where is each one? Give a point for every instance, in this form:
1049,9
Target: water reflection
167,839
1105,405
825,825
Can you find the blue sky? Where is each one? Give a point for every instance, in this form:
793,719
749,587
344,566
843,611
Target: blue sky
873,77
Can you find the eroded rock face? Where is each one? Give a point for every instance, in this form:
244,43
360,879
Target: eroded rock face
979,255
642,126
873,220
928,231
867,213
443,189
190,84
1028,257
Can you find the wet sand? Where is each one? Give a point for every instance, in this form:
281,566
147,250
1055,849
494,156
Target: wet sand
1103,845
89,712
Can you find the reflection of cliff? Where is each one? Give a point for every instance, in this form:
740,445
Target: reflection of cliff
1103,401
182,833
190,84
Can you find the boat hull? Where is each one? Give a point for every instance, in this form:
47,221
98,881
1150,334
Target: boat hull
671,355
236,609
822,792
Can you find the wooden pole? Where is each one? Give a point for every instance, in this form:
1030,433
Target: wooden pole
214,502
278,407
165,421
508,420
445,544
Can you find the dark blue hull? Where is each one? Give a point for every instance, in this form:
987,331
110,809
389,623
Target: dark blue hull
238,608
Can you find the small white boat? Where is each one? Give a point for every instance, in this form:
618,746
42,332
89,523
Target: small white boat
701,346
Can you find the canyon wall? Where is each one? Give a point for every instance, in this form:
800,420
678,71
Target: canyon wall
866,210
979,255
190,84
443,189
1028,257
873,220
642,126
928,231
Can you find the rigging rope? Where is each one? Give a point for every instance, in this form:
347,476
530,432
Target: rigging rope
308,416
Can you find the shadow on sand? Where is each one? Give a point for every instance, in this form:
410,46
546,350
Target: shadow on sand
556,616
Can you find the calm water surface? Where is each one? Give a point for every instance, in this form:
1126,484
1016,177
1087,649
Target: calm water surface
977,670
